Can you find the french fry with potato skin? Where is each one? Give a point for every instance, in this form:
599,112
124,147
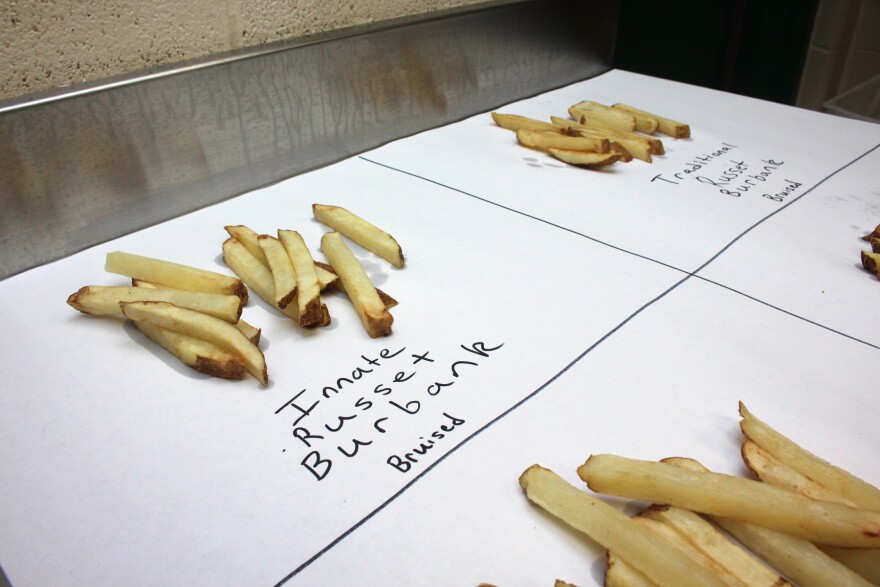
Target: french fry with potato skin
871,262
706,538
725,495
643,122
203,327
544,140
386,299
516,122
667,126
796,558
251,241
252,332
619,573
771,470
281,268
834,478
648,145
202,356
308,290
667,533
584,158
591,112
258,278
174,275
367,235
357,285
100,300
663,562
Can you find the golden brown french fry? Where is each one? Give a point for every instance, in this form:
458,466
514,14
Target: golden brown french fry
667,126
251,241
584,158
570,127
200,355
174,275
308,290
386,299
873,234
864,561
203,327
516,122
367,235
624,155
771,470
663,562
871,262
252,332
725,495
619,573
281,268
796,558
591,111
546,139
834,478
102,300
357,285
255,275
669,534
706,538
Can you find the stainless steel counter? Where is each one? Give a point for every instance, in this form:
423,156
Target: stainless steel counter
89,164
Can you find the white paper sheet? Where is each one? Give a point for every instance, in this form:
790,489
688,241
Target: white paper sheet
121,467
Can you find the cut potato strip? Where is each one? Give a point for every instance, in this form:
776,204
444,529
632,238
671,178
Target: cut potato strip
104,300
281,268
308,289
667,126
584,157
516,122
202,356
545,139
367,235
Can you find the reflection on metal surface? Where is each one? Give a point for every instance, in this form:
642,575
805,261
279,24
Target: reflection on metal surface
82,170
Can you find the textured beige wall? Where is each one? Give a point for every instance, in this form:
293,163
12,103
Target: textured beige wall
49,43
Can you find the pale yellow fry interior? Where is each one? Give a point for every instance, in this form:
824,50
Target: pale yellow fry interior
281,268
367,235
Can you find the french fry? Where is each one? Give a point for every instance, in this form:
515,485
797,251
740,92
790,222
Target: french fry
725,495
584,158
667,126
203,327
386,299
308,290
367,235
834,478
546,139
174,275
281,268
796,558
101,300
200,355
871,262
592,111
771,470
252,332
254,274
875,244
623,155
619,573
873,234
357,286
516,122
251,241
570,127
706,538
663,562
688,549
864,561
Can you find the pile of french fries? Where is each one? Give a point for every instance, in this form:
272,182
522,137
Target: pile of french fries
803,521
596,135
871,261
196,314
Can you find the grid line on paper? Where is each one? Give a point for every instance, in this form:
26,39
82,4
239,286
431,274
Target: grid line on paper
580,356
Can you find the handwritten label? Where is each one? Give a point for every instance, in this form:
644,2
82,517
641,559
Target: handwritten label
372,399
733,176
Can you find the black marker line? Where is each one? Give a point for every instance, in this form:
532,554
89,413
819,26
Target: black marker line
784,311
577,359
521,213
474,434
